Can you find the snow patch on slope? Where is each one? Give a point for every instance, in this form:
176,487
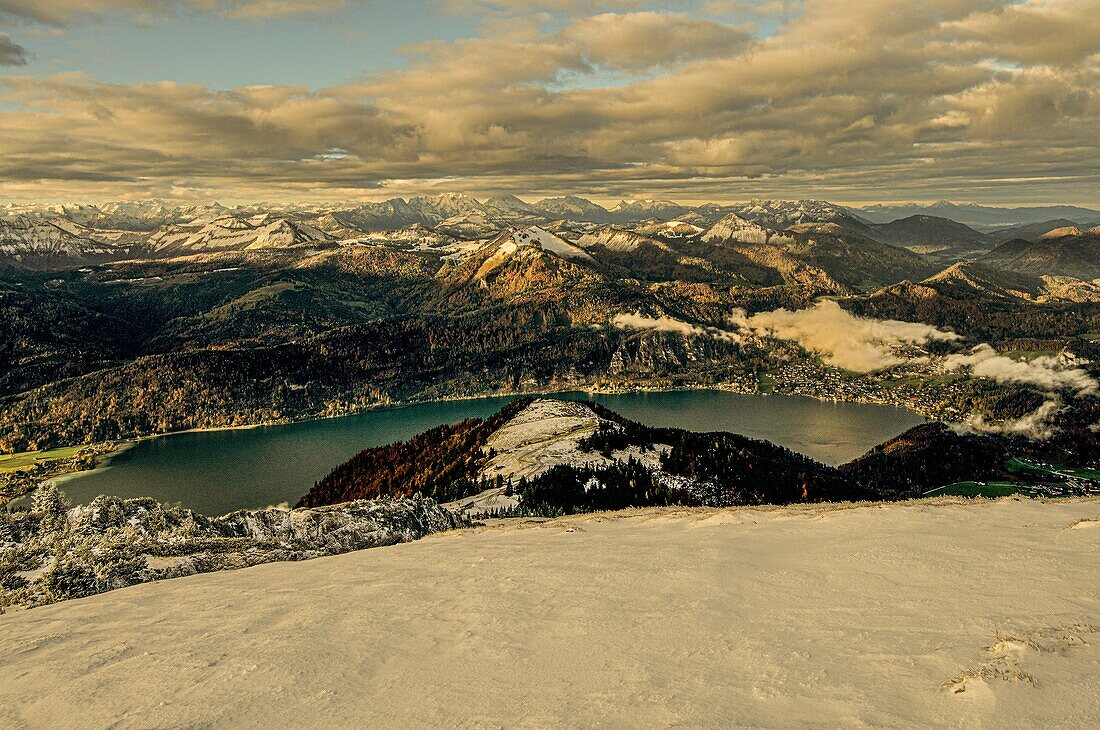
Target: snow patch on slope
735,228
549,242
547,433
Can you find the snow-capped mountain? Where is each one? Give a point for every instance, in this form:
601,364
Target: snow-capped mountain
516,263
336,226
780,214
415,237
388,215
546,241
137,216
638,210
669,230
470,225
612,238
571,207
230,233
735,228
398,213
160,229
446,205
509,208
40,240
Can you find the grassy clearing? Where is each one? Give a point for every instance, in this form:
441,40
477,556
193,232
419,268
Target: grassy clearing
766,383
1023,466
1017,465
15,462
989,490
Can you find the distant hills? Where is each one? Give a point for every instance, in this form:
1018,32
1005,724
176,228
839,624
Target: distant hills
1066,251
977,216
940,238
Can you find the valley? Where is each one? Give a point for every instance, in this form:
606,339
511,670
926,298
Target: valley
549,363
128,321
215,472
211,317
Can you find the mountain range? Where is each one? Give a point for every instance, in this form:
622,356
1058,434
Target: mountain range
989,218
202,317
66,235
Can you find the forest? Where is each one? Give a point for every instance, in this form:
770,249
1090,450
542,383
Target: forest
130,349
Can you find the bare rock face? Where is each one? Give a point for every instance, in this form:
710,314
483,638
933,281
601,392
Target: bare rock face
51,554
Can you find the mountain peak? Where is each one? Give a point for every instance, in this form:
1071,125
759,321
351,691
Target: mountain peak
1061,232
733,227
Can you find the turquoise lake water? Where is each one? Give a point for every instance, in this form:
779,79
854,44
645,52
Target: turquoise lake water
214,472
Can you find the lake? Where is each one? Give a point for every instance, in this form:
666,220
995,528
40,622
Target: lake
215,472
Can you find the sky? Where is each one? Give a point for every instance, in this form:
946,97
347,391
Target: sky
992,101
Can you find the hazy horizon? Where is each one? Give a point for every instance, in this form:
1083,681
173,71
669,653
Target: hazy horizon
607,203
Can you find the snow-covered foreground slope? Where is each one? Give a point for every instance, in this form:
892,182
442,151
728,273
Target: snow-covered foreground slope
777,617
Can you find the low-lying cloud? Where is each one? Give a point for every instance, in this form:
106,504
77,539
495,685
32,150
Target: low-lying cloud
1035,425
638,321
845,340
1047,373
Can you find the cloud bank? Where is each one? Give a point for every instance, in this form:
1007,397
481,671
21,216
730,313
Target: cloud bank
638,321
1035,425
846,341
977,99
1047,373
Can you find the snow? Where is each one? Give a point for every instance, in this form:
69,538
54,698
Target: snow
937,613
549,242
613,239
525,242
735,228
232,233
35,236
505,248
545,434
779,214
542,435
415,238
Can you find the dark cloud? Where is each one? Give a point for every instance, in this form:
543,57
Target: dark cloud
12,54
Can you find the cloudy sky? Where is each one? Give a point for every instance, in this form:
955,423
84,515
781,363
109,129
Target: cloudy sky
246,100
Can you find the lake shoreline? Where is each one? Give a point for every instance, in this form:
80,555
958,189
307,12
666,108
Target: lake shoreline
215,471
125,444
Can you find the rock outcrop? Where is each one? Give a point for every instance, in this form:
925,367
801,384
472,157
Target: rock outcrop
51,553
